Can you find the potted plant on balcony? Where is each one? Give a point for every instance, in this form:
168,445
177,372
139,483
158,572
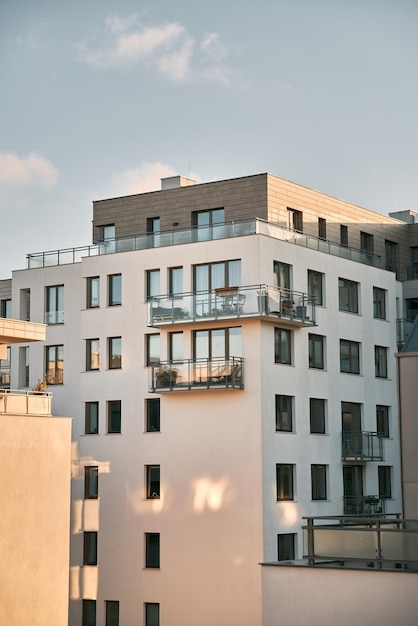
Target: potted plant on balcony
166,376
40,387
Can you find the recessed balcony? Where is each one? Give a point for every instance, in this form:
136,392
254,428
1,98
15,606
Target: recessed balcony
197,374
19,402
362,446
229,303
364,505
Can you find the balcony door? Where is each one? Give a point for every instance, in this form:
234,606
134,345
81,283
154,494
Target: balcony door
351,427
211,276
353,489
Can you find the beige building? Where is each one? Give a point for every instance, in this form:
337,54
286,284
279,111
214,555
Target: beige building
35,469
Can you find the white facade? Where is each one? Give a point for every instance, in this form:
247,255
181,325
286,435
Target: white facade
218,514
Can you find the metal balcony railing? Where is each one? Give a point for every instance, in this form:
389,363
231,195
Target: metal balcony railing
364,505
217,373
232,303
19,402
362,446
201,233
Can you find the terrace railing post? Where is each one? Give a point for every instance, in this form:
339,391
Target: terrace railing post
310,539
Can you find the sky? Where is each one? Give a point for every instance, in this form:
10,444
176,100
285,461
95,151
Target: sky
102,98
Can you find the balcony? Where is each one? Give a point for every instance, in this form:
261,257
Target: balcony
362,446
198,374
19,402
403,330
229,303
364,505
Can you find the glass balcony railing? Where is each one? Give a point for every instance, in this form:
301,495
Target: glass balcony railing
216,373
201,233
403,330
232,303
362,446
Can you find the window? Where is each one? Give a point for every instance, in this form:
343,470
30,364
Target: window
54,311
175,281
5,370
108,232
24,311
283,346
114,416
89,612
284,481
348,295
316,351
153,349
208,223
283,274
152,550
366,243
220,343
90,548
92,354
175,346
114,289
152,614
385,481
382,420
315,286
319,482
322,228
286,546
6,308
92,418
54,365
379,303
23,367
153,481
114,353
343,235
317,415
381,361
211,276
349,356
152,415
295,219
391,255
93,292
112,613
154,229
153,284
91,482
284,413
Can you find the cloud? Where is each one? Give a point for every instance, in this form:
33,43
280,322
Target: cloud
31,170
145,178
168,48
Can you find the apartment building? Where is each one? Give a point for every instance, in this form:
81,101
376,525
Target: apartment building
227,352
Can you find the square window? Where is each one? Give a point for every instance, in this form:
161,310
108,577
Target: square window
153,481
284,413
92,418
152,415
115,352
382,420
316,351
348,295
385,481
381,361
114,289
153,284
92,354
319,482
90,548
152,550
379,303
54,310
286,546
54,365
284,481
283,346
114,416
91,482
89,613
315,286
153,349
152,614
317,415
93,292
112,613
349,356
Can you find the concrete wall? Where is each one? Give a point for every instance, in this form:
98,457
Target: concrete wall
35,465
408,396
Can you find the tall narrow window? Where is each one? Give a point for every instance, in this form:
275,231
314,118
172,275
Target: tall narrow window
348,295
343,235
25,305
315,286
93,292
381,361
112,613
317,415
91,482
286,546
153,349
284,413
152,550
153,284
152,614
109,238
5,370
316,351
366,242
92,354
54,365
54,313
90,548
176,346
153,230
24,367
283,346
385,481
322,228
283,273
114,416
382,420
92,418
89,613
152,481
295,219
284,481
391,253
114,289
319,482
349,356
379,303
152,415
175,281
114,353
